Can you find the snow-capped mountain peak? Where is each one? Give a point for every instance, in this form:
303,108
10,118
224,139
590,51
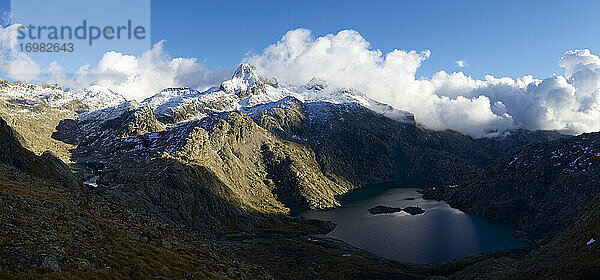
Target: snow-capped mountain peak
52,95
110,112
97,97
316,84
244,82
169,94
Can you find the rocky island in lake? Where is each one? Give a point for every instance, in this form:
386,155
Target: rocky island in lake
381,209
414,210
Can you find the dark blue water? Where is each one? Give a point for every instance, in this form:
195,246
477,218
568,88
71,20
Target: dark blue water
439,235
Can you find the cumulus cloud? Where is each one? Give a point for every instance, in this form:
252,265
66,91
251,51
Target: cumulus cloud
141,77
568,103
461,63
134,77
14,63
346,60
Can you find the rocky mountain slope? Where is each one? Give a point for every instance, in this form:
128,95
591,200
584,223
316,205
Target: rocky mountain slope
506,141
540,187
45,167
309,145
51,227
572,254
206,178
36,110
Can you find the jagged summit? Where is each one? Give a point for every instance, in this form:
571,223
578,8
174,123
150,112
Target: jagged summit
98,97
316,84
244,82
168,94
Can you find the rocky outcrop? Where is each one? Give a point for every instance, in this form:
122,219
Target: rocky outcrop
35,111
260,167
141,121
286,118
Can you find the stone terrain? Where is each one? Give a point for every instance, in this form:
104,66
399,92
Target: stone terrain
193,184
540,188
52,227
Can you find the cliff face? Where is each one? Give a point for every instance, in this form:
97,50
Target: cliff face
365,147
46,166
259,167
540,187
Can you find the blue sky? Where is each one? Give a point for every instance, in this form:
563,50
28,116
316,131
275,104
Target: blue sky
73,13
502,38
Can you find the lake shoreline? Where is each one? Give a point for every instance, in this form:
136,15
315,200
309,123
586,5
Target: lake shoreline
440,234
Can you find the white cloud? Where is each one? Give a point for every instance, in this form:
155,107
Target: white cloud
461,63
569,103
144,76
345,60
14,63
134,77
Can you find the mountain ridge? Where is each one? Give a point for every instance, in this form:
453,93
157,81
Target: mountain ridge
224,167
